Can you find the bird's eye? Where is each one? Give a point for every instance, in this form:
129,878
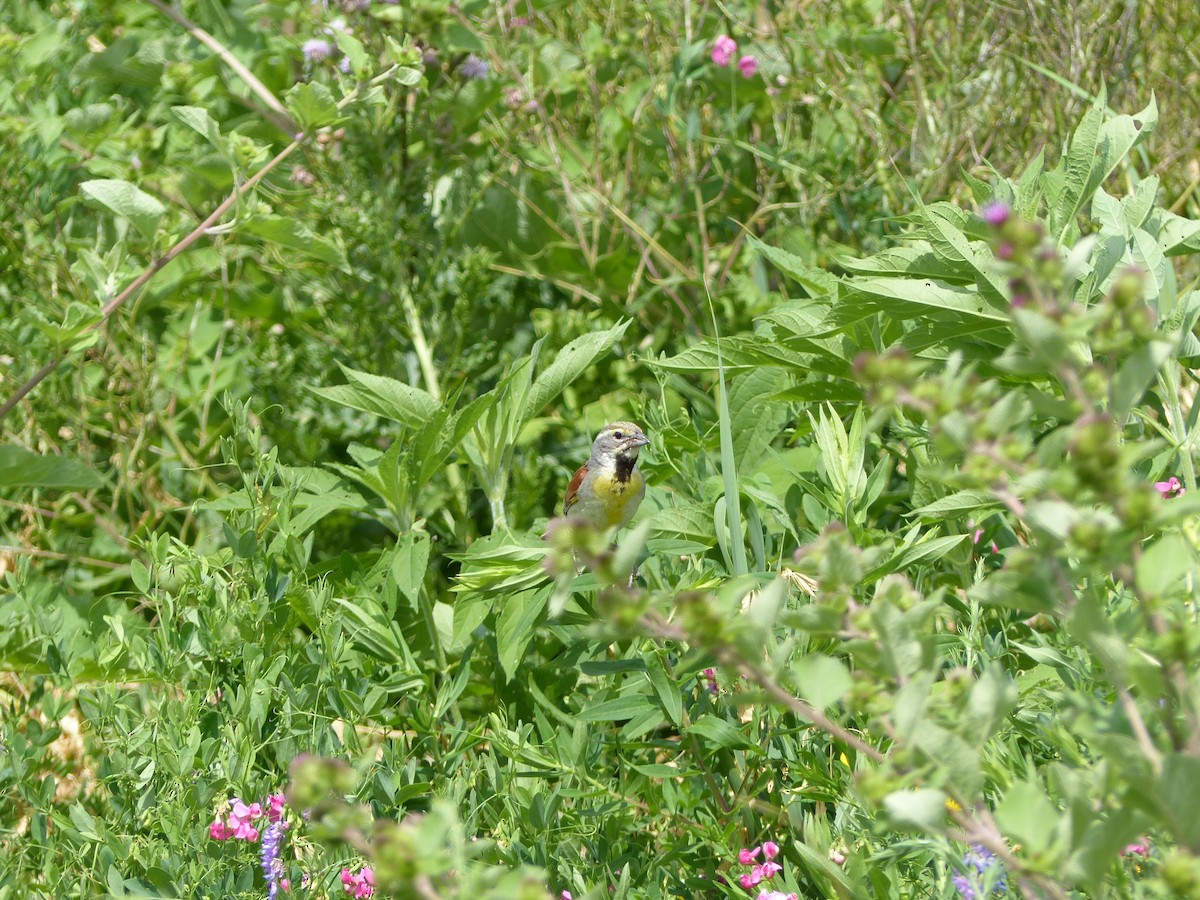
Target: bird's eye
619,435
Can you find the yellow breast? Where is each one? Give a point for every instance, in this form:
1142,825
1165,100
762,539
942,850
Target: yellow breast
617,501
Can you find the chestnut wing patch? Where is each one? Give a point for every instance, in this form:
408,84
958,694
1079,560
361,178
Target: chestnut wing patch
573,489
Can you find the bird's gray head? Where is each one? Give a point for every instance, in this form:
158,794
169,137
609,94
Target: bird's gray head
619,440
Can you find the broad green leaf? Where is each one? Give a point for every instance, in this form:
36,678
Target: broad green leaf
198,119
1164,563
410,558
822,680
1178,791
907,298
519,614
312,104
572,361
291,234
360,61
125,200
817,282
1027,816
387,397
21,468
923,808
1136,374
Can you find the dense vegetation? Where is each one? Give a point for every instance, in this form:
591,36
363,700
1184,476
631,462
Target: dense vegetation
312,309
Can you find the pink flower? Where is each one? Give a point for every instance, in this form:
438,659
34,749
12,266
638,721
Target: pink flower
837,857
749,880
775,895
770,849
218,832
995,213
360,885
566,895
723,49
1139,849
275,804
746,857
747,65
1170,488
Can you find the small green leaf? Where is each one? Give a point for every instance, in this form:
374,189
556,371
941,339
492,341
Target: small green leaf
140,576
664,687
720,732
125,200
410,558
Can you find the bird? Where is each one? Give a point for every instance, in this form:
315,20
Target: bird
609,487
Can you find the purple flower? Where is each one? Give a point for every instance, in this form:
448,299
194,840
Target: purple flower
317,50
475,69
272,843
747,65
723,49
995,213
982,860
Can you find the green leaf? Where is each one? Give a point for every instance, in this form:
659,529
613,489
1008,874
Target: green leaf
140,576
572,361
817,282
198,119
360,61
925,551
957,504
822,680
21,468
618,709
293,235
721,733
1027,816
664,687
313,105
1178,791
923,808
382,396
1136,374
907,298
410,558
125,200
1164,564
515,625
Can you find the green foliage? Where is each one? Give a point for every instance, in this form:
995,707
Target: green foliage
314,309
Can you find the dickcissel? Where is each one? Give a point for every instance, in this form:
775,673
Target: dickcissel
608,488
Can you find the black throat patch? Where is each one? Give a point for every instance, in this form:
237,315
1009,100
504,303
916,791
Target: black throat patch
625,466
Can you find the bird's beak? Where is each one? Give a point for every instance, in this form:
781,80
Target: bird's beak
640,441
